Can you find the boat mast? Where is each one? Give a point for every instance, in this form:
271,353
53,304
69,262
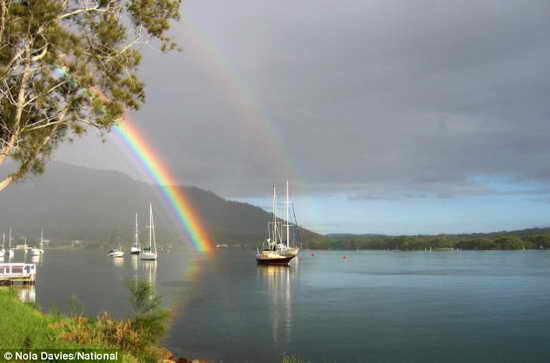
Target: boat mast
154,235
137,233
3,240
9,240
150,226
42,237
274,215
287,218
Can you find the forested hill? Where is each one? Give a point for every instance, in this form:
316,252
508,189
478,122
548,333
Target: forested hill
531,238
99,206
76,203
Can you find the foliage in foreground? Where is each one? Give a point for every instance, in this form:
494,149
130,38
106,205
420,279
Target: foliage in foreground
68,66
149,319
26,327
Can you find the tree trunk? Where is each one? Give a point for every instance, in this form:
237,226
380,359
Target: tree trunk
4,183
6,150
22,92
8,180
3,11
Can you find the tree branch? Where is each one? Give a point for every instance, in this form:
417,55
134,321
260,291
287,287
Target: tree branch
22,92
3,11
38,57
7,148
45,93
7,93
4,183
12,61
83,10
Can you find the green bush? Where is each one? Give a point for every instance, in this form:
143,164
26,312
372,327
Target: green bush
149,319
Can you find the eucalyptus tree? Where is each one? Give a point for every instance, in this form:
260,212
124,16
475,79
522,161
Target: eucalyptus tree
67,66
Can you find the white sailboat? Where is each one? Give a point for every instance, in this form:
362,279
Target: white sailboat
276,249
38,250
11,252
135,249
3,250
150,253
288,248
25,247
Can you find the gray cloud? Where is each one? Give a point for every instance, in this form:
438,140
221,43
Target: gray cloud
383,99
445,191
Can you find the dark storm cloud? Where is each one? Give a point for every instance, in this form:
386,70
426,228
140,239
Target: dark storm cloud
383,99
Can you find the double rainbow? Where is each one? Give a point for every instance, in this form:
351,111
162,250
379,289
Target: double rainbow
158,171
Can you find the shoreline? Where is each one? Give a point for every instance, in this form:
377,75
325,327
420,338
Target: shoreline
26,327
422,250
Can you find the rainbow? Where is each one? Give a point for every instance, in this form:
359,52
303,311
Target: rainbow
159,172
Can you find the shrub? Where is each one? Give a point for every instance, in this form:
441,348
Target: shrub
149,319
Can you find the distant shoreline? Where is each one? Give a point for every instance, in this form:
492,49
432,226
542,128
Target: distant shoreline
519,240
419,250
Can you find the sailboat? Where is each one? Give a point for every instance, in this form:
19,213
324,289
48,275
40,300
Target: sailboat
150,253
291,247
40,250
276,249
25,247
3,250
135,249
11,252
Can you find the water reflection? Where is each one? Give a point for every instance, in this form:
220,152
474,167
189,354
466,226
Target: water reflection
26,293
279,280
118,261
134,260
146,270
150,272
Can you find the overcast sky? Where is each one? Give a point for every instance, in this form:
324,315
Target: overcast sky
387,116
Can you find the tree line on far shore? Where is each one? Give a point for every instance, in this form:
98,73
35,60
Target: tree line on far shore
425,242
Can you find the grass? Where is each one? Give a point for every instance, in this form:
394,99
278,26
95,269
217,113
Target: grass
293,359
25,327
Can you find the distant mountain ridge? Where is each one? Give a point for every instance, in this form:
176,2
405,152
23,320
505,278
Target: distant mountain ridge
77,203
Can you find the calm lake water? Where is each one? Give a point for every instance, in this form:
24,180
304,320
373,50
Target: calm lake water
369,307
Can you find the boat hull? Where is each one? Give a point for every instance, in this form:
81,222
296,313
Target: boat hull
290,252
273,260
36,252
148,256
116,253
